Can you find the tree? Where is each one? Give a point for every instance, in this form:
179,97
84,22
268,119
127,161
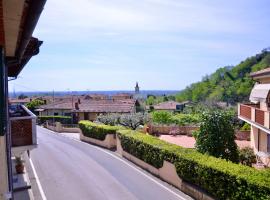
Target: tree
34,104
111,119
150,100
132,121
22,96
216,135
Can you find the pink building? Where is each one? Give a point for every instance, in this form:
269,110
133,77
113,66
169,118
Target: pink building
257,114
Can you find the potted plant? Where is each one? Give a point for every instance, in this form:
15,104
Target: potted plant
19,166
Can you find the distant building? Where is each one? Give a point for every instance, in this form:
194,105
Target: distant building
89,109
122,96
92,109
137,88
96,97
170,106
15,101
137,94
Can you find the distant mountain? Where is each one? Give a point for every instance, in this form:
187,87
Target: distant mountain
230,84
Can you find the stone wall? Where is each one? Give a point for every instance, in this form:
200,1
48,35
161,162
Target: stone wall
242,135
168,130
167,173
3,168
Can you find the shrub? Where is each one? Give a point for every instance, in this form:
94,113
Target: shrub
247,156
245,127
186,119
165,117
216,135
161,117
59,118
32,105
223,179
97,131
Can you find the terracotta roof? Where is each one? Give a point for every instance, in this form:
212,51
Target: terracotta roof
106,108
26,100
262,72
103,106
168,105
58,105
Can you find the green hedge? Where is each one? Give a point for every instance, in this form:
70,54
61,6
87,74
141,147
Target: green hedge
220,178
97,131
58,118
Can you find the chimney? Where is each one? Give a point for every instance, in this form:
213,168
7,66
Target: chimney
77,106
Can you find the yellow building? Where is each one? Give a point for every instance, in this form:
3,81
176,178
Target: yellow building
257,114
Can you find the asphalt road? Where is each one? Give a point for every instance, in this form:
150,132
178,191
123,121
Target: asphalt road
73,170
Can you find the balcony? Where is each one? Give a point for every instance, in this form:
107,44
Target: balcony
22,128
252,114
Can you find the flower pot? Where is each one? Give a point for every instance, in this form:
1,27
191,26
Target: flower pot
19,168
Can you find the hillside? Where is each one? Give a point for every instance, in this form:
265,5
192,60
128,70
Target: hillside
230,84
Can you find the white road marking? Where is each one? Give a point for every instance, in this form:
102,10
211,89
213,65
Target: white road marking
125,162
38,182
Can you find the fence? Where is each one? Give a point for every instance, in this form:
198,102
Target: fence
63,128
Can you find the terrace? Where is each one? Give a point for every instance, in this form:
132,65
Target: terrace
22,128
253,114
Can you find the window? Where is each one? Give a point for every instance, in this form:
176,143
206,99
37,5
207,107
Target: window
55,114
86,116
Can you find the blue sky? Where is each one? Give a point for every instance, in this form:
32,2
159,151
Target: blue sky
162,44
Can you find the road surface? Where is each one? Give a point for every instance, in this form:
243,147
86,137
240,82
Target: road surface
72,170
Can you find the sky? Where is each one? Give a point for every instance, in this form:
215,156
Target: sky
162,44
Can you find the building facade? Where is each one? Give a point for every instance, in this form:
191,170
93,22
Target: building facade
18,19
257,114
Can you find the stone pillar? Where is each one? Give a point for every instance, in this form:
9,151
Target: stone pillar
3,169
58,127
254,138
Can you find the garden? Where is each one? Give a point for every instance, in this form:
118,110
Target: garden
213,165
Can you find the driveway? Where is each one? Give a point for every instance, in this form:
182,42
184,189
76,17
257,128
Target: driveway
70,169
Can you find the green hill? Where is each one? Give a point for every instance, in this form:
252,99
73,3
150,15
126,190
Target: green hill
230,84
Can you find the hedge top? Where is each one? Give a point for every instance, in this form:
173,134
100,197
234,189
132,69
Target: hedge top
101,126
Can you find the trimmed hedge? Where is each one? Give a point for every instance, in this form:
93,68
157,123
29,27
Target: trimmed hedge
220,178
58,118
97,131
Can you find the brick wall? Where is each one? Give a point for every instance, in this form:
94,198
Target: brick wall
242,135
21,132
166,130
